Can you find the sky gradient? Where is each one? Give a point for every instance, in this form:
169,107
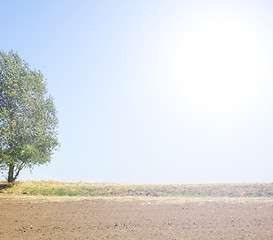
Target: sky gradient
152,91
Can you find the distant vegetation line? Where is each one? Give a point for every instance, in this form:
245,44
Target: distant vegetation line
56,188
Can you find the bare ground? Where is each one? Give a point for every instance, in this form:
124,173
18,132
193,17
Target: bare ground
29,217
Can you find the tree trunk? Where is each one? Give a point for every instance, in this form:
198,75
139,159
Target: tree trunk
11,172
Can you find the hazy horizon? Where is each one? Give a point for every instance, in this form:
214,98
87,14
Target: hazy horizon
152,91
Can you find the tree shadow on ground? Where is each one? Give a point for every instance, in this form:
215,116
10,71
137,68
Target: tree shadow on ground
4,186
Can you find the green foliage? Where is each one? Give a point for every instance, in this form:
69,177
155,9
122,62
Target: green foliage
28,118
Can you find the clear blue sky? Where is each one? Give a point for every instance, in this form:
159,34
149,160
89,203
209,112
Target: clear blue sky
152,91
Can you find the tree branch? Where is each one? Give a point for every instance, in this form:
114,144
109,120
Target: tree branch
18,170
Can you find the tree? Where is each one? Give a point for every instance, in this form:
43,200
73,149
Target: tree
28,121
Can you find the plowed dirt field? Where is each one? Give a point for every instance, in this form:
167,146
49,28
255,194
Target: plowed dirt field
28,217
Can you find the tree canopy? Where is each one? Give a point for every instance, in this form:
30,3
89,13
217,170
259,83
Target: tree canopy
28,121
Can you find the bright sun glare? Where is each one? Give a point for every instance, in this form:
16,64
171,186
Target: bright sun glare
222,66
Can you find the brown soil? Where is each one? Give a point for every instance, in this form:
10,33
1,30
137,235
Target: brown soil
26,217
